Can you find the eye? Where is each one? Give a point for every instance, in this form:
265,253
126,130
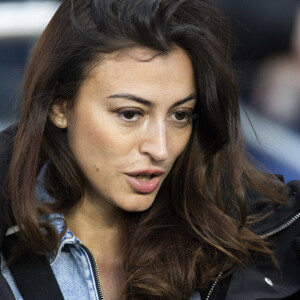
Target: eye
181,117
130,115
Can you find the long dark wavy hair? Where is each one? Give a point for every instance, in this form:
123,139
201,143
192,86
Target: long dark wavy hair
198,225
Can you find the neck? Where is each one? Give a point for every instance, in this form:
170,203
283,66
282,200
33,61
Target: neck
98,228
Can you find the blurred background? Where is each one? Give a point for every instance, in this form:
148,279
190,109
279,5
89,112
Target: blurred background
266,54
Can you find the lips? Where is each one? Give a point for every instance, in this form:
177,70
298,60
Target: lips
144,181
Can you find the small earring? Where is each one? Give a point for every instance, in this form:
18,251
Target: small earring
60,123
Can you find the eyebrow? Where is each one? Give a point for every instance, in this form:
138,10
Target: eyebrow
148,102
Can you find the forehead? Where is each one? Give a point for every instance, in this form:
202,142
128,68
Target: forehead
146,73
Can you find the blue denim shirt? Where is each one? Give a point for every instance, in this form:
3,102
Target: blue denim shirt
71,263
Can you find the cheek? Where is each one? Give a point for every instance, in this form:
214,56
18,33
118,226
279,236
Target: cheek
89,130
179,142
100,136
98,145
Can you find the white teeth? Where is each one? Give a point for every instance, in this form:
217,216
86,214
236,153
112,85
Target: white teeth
143,177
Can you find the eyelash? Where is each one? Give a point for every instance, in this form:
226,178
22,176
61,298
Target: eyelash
122,112
188,116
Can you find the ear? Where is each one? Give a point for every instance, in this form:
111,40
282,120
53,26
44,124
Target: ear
58,113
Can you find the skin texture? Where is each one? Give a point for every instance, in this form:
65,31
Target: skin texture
111,136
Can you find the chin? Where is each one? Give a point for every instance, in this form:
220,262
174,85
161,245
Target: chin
138,204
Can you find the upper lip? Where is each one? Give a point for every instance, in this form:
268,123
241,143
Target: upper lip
154,172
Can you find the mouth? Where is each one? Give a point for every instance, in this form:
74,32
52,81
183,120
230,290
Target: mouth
144,181
143,177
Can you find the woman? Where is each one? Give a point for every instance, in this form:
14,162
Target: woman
128,169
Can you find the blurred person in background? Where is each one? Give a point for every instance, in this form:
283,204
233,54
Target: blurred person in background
266,55
278,83
260,29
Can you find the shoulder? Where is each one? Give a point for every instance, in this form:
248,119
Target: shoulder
277,217
262,279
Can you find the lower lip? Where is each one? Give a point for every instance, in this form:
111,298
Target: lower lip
141,186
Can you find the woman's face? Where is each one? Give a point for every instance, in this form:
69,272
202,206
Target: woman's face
131,120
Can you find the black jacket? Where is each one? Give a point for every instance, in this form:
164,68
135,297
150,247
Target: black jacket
5,291
261,280
6,143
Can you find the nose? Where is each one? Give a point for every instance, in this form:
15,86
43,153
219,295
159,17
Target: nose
154,141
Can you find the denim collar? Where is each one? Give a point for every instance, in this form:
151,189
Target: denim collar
55,219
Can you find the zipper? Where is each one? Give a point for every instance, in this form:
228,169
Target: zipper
282,227
295,187
95,269
213,286
263,236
